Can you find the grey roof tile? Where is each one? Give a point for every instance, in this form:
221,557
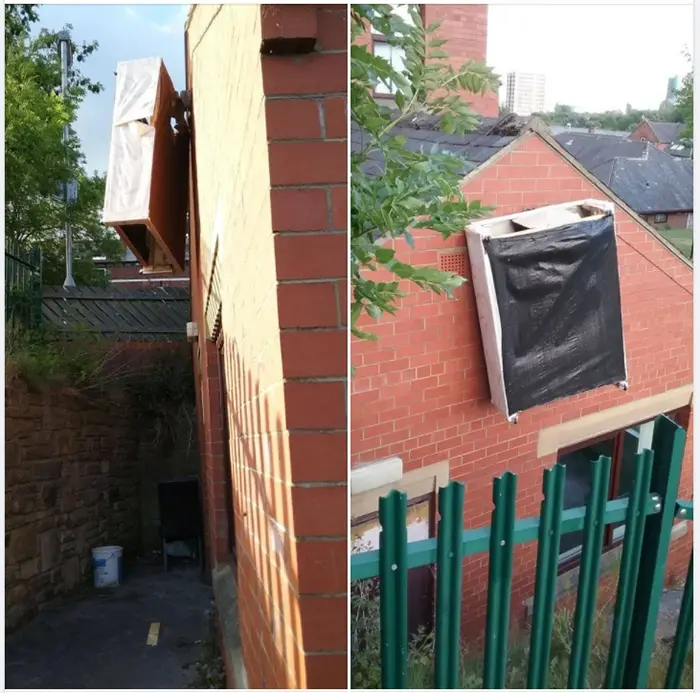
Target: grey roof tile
647,179
666,132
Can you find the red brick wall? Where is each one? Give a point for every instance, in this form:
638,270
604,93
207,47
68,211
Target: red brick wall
284,337
146,281
421,391
644,131
465,27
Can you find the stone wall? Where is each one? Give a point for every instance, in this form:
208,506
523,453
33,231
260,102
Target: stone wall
70,485
80,472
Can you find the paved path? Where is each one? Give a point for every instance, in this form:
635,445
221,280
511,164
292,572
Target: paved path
98,640
669,610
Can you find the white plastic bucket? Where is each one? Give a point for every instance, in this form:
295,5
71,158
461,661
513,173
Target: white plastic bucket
107,565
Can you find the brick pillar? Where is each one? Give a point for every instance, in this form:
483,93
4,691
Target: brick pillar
305,106
465,29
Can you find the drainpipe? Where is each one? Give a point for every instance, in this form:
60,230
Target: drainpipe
66,60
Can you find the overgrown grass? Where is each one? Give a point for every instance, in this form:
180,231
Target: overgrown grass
40,360
160,384
209,669
365,649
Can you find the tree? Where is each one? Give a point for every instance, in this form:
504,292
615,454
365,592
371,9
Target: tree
38,161
413,190
608,120
684,103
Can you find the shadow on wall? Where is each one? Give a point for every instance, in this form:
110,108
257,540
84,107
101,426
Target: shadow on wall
270,585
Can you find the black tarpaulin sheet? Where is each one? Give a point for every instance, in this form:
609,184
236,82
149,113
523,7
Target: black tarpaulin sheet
558,295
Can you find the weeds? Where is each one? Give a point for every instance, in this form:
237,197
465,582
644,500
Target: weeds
209,669
365,651
40,361
159,383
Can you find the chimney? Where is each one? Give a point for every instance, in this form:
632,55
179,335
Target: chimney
465,29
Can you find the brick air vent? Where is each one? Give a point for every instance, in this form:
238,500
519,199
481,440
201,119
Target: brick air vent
454,262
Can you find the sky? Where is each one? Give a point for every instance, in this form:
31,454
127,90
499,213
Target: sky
124,32
594,57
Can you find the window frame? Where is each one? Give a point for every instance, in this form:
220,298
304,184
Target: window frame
661,218
381,39
429,497
610,542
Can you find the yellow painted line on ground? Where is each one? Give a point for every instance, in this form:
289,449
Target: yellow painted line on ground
153,633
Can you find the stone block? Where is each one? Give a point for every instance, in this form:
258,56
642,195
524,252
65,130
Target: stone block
12,454
47,470
50,549
30,569
23,544
70,573
33,453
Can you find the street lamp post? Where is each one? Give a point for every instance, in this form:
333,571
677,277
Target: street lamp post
66,60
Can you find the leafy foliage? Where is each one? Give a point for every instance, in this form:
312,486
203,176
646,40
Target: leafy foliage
159,383
40,360
366,651
38,161
610,120
412,190
684,103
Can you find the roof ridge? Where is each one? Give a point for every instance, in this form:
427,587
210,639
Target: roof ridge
620,202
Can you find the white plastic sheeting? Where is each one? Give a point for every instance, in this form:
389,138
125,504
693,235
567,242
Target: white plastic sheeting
128,184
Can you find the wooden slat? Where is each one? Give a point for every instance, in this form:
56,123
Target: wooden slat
147,314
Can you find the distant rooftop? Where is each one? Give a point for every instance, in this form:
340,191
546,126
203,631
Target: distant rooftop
560,129
666,132
648,179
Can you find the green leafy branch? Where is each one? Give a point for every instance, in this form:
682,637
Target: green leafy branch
395,189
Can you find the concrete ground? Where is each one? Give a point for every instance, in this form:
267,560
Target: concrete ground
98,639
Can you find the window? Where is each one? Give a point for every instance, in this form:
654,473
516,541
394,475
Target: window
395,56
421,524
420,486
642,139
660,218
622,447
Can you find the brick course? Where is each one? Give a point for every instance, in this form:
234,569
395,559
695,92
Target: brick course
421,391
281,121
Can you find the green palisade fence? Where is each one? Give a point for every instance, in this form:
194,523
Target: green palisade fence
648,514
22,285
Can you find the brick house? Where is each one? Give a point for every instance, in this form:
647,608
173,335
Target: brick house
421,412
127,274
464,28
663,135
268,250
